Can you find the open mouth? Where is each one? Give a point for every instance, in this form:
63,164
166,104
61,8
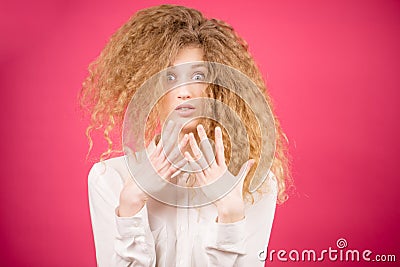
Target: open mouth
185,110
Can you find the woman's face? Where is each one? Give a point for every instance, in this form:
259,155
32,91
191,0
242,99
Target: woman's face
176,104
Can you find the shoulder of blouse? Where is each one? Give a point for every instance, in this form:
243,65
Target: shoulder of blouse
114,166
113,169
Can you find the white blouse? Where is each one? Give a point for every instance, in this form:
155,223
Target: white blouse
165,236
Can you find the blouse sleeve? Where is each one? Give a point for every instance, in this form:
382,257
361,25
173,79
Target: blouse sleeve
239,243
119,241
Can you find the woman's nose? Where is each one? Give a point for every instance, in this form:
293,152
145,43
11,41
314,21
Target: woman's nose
184,92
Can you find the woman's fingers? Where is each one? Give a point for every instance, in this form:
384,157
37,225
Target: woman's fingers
171,159
175,156
205,145
164,146
198,155
167,157
195,167
174,168
201,132
156,153
170,136
219,147
176,153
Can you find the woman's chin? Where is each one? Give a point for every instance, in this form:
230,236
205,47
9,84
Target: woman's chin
189,125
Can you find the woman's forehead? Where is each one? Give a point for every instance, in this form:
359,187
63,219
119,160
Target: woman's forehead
188,54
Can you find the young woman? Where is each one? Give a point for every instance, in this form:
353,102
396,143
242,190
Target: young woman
132,227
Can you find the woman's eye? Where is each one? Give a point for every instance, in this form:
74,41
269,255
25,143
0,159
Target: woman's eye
171,77
199,77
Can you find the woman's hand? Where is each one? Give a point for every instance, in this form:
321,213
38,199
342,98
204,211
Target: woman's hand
132,198
231,206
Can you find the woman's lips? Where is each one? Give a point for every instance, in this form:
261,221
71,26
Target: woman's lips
185,110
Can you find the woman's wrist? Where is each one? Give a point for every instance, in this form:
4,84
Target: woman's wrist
131,200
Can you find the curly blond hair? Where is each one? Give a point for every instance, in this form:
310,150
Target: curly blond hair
147,44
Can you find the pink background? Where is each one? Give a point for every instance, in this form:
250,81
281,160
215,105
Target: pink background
332,68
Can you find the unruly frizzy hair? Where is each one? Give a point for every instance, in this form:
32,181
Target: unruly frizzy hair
148,43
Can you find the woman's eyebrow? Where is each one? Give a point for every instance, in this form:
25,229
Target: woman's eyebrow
199,65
